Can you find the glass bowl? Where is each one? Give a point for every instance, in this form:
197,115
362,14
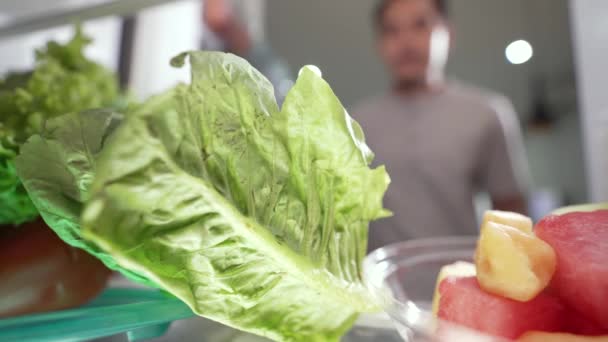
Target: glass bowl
402,276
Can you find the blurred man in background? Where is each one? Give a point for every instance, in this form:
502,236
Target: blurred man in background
442,142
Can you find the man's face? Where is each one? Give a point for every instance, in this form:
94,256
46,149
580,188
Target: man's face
410,40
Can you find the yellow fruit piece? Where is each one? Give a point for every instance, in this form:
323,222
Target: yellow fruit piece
537,336
457,269
515,220
581,208
513,263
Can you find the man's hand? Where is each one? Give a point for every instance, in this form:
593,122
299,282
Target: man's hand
219,17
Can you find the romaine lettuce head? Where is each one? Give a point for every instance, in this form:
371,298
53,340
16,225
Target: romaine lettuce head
255,217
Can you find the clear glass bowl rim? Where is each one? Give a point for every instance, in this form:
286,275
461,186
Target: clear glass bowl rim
407,316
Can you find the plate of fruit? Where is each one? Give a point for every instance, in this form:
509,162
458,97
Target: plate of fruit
516,281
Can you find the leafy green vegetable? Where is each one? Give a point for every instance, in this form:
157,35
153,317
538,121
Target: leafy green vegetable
15,204
63,81
255,217
57,168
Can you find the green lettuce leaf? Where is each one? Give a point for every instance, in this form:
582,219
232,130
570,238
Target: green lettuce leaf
15,204
62,81
57,168
255,217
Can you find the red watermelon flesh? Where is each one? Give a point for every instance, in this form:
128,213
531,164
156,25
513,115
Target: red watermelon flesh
580,241
577,324
463,302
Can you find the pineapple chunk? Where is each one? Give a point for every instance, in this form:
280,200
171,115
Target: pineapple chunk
457,269
513,263
515,220
537,336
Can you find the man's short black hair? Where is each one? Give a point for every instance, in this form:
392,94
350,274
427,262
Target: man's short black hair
383,5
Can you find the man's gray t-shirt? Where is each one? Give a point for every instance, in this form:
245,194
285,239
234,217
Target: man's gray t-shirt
439,149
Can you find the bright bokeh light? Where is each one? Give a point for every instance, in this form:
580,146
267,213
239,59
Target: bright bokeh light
519,52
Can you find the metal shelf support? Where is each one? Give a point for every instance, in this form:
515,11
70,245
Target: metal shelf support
70,16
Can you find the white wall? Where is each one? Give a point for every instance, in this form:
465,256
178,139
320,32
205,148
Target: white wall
590,27
161,33
164,31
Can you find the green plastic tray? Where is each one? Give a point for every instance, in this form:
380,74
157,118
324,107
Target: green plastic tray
138,313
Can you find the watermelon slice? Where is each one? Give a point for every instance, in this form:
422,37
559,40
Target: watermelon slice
575,323
536,336
580,241
463,302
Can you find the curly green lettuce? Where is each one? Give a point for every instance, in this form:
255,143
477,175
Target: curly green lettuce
15,204
62,81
